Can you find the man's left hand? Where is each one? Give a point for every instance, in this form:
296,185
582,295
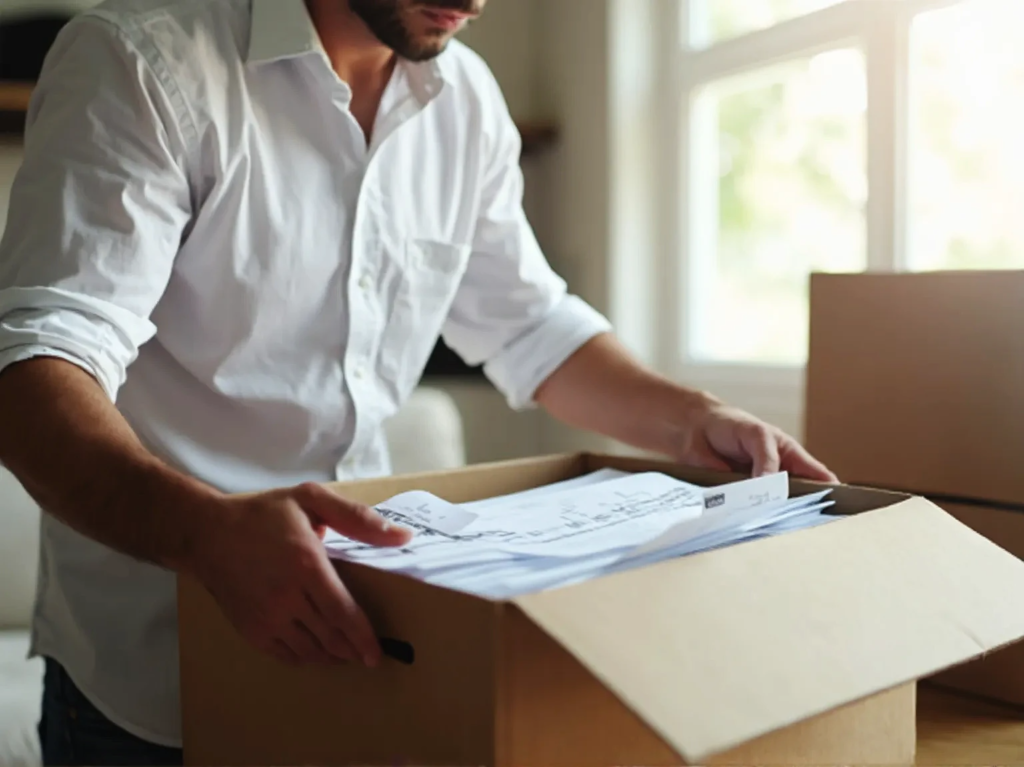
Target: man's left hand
718,436
603,389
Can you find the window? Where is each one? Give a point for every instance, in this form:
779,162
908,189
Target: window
717,20
787,175
966,144
832,135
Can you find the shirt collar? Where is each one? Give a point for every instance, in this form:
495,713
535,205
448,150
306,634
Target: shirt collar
427,78
283,29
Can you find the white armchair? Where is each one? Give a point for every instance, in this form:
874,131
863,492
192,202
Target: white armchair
425,436
20,680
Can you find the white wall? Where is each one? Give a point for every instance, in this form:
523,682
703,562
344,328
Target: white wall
506,36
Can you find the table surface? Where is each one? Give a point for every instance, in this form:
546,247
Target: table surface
955,730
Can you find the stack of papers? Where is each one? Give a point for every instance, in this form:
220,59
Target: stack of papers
582,528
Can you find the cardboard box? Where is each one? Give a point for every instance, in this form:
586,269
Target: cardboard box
914,383
799,649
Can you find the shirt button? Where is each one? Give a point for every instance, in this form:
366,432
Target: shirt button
359,373
366,282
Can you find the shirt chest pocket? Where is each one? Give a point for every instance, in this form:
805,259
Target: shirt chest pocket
426,277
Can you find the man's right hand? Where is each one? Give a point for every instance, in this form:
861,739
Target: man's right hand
265,564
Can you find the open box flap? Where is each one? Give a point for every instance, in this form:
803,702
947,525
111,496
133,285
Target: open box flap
716,649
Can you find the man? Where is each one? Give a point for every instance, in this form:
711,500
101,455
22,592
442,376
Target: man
246,222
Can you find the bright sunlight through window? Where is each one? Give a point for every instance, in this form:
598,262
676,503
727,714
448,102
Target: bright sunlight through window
716,20
967,137
867,134
791,187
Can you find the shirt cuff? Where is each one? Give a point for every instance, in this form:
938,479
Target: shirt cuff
97,336
18,354
522,366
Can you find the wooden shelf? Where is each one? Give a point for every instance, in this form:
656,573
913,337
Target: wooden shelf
14,97
536,135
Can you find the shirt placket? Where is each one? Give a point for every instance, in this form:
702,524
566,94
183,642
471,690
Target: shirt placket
365,308
365,320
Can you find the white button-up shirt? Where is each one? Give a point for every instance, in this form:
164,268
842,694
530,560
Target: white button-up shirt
200,224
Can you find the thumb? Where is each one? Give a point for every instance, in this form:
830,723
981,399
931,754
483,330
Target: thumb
353,520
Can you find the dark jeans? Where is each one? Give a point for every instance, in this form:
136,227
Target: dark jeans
73,732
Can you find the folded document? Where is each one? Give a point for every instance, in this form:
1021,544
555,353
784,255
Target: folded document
578,529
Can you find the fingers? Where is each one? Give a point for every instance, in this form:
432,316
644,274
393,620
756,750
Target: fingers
279,649
310,637
338,612
304,645
331,638
797,461
353,520
771,451
761,444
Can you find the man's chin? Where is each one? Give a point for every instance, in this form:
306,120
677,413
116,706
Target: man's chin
427,49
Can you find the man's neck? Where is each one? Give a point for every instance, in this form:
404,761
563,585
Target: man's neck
356,55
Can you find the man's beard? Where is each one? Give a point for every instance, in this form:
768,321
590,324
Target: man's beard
384,19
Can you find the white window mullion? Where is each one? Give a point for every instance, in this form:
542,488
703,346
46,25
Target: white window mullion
694,23
703,212
828,28
673,208
910,8
887,75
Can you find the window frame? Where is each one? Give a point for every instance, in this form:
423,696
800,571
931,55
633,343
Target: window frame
881,30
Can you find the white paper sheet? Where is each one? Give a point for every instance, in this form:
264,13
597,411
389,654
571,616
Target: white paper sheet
497,503
571,522
423,511
569,531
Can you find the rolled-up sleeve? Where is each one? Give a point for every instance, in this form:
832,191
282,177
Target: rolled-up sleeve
512,312
98,207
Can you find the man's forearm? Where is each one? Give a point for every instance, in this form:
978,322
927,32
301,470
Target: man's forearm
81,461
601,388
